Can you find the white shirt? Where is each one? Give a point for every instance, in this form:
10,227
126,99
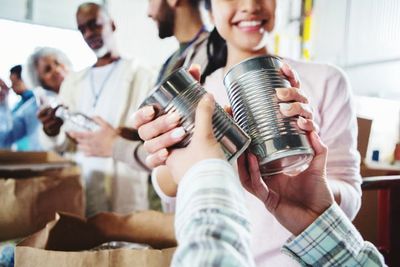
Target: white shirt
111,185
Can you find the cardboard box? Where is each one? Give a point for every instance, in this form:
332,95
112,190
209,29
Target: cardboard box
66,242
30,161
33,187
28,257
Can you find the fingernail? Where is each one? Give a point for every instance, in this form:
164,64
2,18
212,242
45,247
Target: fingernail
285,106
163,154
148,111
178,133
195,66
283,92
302,120
172,118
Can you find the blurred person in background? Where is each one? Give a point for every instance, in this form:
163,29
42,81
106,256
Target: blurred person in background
182,20
21,89
5,114
46,69
109,92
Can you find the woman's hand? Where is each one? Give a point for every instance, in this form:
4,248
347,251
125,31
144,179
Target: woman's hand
295,201
293,102
160,133
203,145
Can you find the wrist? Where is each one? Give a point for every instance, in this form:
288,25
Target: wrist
140,155
50,132
110,148
164,184
311,217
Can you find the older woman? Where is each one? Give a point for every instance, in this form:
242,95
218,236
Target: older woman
46,69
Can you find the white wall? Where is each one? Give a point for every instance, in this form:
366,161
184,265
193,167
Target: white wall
363,37
137,34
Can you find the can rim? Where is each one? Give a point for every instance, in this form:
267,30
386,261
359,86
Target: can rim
161,84
227,80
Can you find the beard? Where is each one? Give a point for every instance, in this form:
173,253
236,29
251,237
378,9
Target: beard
166,21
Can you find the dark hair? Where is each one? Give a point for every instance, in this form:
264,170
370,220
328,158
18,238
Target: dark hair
93,5
217,51
217,54
17,70
207,4
195,3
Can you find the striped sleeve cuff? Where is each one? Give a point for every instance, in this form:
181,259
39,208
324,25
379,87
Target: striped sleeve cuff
215,171
202,187
330,240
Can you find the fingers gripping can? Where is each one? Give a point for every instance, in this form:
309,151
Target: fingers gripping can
277,141
181,93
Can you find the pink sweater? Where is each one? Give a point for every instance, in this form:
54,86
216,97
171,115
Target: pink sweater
329,94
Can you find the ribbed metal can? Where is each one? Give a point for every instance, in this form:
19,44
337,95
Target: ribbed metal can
181,93
277,141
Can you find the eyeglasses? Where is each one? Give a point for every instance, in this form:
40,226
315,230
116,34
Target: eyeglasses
91,25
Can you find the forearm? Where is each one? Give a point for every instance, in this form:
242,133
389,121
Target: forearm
148,227
211,224
60,143
7,138
165,188
332,240
130,152
163,179
12,129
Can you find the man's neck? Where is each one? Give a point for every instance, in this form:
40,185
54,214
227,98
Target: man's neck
107,59
187,24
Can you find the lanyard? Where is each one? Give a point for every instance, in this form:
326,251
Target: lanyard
97,95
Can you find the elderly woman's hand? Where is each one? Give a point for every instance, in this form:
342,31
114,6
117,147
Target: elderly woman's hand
51,123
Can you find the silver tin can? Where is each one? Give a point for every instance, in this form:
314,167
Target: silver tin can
181,93
278,143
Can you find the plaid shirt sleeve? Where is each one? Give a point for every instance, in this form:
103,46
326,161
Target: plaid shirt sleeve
210,220
332,240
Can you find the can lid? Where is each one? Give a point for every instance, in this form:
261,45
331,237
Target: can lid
254,63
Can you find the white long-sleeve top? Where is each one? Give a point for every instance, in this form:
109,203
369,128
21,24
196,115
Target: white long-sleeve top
330,97
120,88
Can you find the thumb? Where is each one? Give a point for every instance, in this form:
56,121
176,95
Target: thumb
291,75
318,146
203,127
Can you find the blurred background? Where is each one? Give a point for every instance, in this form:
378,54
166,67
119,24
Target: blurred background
361,36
